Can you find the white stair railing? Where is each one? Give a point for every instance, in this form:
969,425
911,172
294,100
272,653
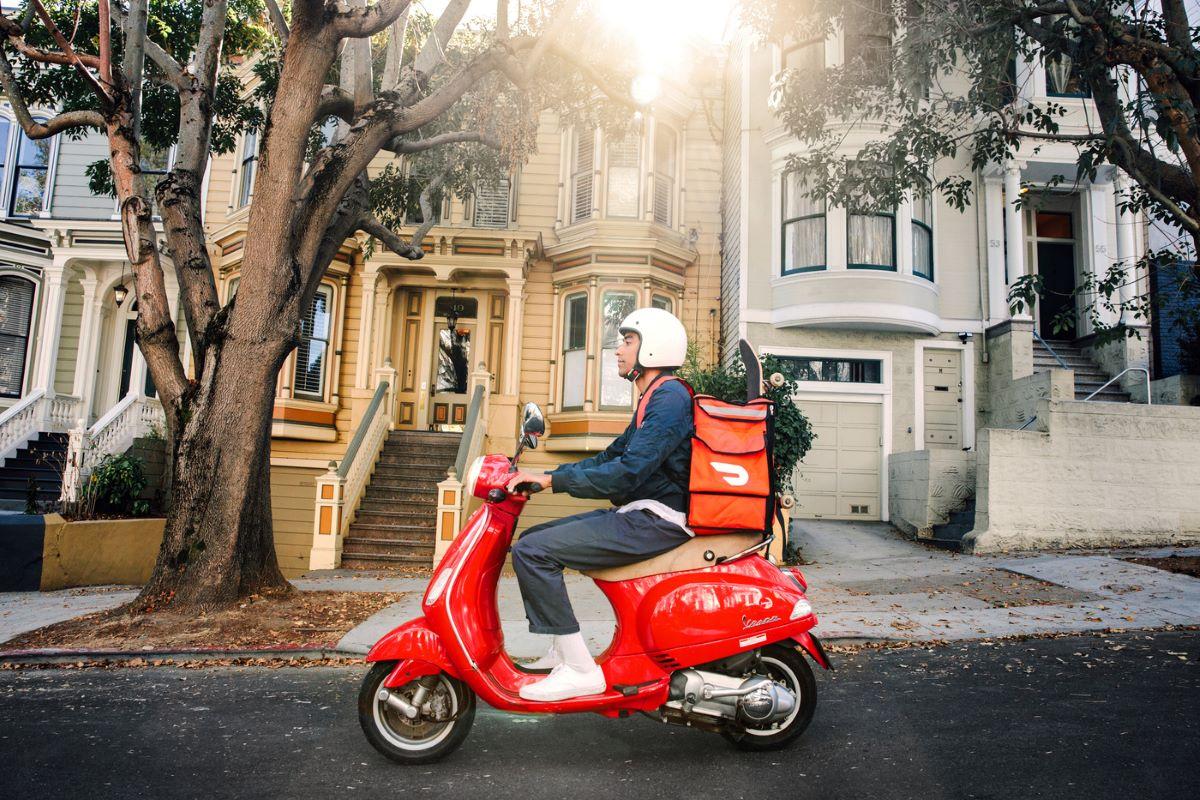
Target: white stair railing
34,413
340,490
133,417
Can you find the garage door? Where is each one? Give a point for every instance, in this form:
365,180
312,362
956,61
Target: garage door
839,477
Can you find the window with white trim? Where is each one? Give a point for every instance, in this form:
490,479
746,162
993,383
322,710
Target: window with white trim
582,175
574,358
248,168
5,130
312,355
868,40
807,57
870,234
803,227
615,391
922,234
16,315
663,302
31,171
623,174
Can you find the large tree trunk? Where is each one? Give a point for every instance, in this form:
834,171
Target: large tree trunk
218,544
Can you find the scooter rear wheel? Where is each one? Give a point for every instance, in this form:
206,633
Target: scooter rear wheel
789,667
419,741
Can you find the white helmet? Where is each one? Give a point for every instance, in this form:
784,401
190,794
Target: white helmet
663,340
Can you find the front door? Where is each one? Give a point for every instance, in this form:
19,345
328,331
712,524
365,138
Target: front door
455,343
943,399
1055,253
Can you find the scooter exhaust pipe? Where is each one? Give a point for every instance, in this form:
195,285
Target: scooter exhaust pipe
399,703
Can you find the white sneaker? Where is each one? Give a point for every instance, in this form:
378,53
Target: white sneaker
564,683
549,661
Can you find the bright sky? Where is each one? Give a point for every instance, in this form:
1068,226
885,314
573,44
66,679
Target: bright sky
659,28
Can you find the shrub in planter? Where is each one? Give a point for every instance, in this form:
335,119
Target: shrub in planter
113,487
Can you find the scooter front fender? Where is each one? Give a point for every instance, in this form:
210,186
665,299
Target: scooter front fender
417,647
812,645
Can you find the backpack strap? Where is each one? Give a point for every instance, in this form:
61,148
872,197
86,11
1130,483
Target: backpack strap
644,400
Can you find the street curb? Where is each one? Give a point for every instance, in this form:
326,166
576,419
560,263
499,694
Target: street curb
54,656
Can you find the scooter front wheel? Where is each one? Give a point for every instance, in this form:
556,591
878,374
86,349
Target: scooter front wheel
445,711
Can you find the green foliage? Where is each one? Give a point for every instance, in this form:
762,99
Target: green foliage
793,433
114,485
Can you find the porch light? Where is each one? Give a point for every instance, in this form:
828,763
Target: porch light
120,293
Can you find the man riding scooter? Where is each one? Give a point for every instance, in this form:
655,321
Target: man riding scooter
644,473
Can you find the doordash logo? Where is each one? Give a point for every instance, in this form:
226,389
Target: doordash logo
732,473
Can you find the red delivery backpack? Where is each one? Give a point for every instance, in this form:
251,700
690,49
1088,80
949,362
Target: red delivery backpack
731,484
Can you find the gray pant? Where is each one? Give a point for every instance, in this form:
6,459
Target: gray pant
592,540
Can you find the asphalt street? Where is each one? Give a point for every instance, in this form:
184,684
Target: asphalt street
1081,717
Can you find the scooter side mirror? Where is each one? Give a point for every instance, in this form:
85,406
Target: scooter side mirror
534,424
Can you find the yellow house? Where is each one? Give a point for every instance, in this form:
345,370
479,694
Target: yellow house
516,301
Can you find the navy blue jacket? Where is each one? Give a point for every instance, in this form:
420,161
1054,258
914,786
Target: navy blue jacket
646,463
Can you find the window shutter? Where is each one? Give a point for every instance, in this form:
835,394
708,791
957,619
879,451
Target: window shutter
491,205
582,191
314,341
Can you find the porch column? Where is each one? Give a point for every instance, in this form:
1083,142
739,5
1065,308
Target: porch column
993,201
516,322
89,345
1125,246
1014,233
1099,258
54,292
366,331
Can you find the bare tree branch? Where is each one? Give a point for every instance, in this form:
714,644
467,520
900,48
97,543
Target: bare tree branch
434,51
133,65
361,23
391,240
81,66
404,147
67,120
165,62
279,23
335,103
394,59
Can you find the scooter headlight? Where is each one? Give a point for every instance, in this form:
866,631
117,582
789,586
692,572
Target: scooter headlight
802,609
472,476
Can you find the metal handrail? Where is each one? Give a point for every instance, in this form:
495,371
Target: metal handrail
1050,350
363,427
1118,377
464,445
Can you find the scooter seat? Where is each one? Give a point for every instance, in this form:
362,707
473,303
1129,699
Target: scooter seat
700,552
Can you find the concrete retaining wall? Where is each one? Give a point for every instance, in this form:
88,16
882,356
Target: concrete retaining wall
925,486
1090,475
1178,390
99,552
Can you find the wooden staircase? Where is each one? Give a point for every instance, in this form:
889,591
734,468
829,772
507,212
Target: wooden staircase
36,468
1088,375
396,521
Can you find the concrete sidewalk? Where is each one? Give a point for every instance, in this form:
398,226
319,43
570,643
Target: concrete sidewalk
866,582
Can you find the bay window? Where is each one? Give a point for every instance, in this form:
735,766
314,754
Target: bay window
922,235
868,40
870,232
624,161
807,57
615,391
803,227
31,170
312,355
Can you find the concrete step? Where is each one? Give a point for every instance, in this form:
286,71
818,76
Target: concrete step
352,548
399,494
383,505
421,519
19,482
381,562
377,530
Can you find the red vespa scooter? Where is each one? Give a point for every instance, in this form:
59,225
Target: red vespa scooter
708,635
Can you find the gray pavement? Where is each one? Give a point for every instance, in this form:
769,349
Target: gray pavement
866,582
1079,717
